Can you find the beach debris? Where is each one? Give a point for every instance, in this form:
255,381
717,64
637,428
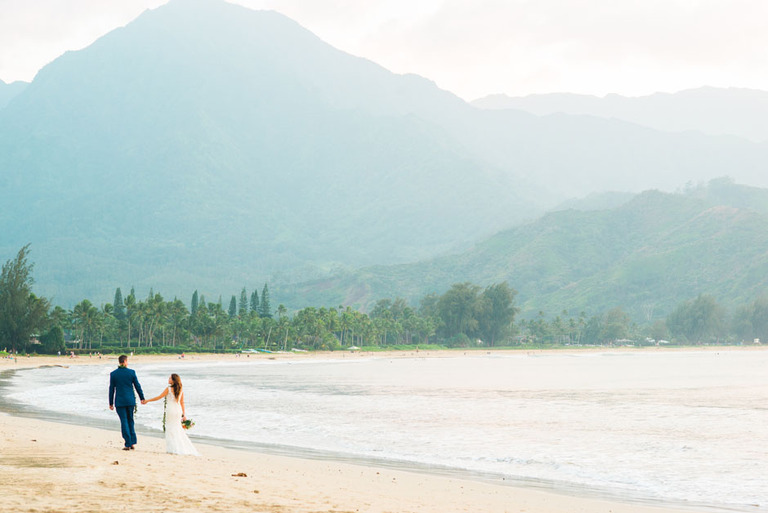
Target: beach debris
115,462
255,491
240,474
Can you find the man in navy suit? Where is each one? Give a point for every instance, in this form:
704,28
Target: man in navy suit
122,381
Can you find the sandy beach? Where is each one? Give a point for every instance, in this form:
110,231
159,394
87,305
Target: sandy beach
52,467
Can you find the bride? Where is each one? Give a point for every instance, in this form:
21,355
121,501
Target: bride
176,440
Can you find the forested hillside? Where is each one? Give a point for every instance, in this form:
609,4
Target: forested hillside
645,256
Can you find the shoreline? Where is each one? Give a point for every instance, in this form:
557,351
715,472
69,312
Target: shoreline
34,361
412,467
453,490
83,469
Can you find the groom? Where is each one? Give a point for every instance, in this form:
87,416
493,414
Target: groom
122,381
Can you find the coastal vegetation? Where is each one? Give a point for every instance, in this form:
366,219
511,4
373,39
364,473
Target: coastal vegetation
466,315
21,312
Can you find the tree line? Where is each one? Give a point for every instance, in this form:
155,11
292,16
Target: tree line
465,315
698,321
462,314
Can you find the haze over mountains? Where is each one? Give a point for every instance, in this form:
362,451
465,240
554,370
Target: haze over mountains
212,143
734,111
208,146
646,255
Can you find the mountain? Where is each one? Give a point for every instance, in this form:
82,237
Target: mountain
571,155
209,146
714,111
647,256
9,91
596,201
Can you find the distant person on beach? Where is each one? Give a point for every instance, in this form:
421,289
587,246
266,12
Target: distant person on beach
176,440
122,382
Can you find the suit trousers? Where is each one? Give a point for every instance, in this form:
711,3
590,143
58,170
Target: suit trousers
126,424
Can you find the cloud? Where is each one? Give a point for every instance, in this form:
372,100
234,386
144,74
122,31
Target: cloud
470,47
476,47
33,34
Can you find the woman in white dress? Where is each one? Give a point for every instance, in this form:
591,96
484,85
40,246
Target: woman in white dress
176,440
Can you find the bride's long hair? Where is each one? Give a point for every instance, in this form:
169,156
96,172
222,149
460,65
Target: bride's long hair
176,385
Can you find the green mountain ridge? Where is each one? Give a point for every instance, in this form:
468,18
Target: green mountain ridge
646,256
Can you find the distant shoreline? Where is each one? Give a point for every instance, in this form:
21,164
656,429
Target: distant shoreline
27,362
37,359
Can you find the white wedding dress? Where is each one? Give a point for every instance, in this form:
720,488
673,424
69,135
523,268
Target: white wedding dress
176,439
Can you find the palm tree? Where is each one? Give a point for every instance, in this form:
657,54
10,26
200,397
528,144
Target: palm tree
345,323
130,312
177,315
86,319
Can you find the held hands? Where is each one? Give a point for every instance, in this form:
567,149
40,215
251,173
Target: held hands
143,401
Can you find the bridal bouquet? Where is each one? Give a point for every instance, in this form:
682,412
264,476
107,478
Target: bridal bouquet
187,424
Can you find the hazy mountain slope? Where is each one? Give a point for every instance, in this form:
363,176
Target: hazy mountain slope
596,201
647,256
207,140
577,155
9,91
714,111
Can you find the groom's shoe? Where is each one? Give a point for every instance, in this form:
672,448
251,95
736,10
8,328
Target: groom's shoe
126,448
133,447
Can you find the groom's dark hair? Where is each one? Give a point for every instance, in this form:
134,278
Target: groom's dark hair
121,359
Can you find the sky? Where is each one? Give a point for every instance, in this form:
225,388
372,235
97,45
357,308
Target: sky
472,48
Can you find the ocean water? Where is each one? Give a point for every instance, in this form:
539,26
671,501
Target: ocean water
679,427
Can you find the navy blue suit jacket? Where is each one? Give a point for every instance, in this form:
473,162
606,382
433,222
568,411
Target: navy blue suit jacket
122,381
